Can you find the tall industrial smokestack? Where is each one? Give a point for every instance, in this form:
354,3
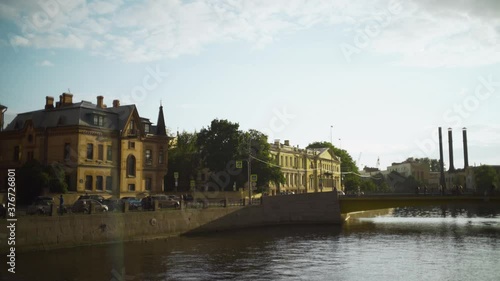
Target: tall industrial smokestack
450,145
441,162
466,153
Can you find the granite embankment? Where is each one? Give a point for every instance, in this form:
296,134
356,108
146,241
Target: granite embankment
50,232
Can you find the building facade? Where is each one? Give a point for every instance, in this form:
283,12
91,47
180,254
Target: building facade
102,149
419,171
305,170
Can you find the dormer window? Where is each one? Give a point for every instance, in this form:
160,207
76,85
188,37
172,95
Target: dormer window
147,128
98,120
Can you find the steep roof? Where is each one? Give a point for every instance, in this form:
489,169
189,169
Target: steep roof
76,114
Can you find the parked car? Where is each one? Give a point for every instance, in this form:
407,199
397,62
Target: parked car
83,206
41,205
113,204
133,203
97,197
163,202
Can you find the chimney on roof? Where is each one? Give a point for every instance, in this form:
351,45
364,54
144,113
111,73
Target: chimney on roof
116,103
100,100
49,102
287,142
66,99
277,142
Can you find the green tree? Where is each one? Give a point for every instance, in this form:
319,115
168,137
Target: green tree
350,172
184,159
34,177
218,144
56,175
433,164
262,163
486,177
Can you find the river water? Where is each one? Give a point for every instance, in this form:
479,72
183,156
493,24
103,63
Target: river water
399,244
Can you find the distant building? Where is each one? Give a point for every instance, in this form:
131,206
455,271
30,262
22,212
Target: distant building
305,170
419,171
103,149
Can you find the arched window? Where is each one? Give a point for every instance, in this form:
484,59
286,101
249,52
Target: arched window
131,166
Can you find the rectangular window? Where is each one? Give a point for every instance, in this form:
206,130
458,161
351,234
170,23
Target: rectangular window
100,152
109,156
131,145
146,128
98,120
160,156
148,157
88,182
67,151
17,153
131,187
98,183
90,151
109,183
148,184
30,155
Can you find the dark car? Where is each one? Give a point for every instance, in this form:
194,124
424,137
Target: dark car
41,205
83,206
134,203
163,202
113,204
97,197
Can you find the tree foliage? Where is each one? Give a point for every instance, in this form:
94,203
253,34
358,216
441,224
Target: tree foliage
262,163
35,177
486,178
433,164
183,158
351,179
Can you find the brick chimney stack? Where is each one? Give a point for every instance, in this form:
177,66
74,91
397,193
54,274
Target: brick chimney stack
100,100
49,102
116,103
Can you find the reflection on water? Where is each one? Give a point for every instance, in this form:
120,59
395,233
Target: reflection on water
401,244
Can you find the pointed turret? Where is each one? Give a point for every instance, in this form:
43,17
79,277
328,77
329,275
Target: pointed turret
160,125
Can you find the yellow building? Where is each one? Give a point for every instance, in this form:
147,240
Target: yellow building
103,149
305,170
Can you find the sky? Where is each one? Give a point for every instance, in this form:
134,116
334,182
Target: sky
375,78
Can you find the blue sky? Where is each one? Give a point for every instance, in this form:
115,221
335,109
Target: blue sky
385,75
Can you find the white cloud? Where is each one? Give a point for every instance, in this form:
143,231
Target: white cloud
423,33
45,63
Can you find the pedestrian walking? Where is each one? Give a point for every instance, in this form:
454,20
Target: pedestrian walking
61,204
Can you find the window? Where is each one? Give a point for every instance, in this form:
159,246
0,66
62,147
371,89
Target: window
146,128
131,128
17,153
160,156
30,155
148,157
109,183
100,152
88,182
148,184
131,187
67,151
99,120
109,156
98,183
131,145
90,151
131,166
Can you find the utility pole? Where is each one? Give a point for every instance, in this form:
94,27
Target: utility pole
249,170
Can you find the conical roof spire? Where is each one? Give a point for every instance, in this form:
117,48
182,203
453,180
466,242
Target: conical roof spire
160,125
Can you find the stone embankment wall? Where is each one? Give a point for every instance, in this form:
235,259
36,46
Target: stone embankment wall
45,232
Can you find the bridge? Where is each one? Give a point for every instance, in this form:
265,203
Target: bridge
351,204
